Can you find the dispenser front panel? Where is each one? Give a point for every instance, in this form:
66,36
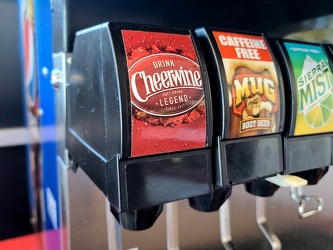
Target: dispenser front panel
166,91
251,87
313,88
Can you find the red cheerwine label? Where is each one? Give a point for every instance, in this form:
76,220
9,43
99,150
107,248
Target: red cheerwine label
167,93
165,84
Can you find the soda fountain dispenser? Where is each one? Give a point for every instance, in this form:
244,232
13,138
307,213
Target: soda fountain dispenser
248,105
308,138
309,95
139,117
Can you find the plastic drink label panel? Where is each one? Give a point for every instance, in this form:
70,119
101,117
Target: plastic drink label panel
314,88
167,93
252,85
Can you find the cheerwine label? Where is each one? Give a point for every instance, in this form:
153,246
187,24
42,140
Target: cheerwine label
253,87
314,88
165,84
167,93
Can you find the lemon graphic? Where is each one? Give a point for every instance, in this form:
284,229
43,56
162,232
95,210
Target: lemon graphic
320,114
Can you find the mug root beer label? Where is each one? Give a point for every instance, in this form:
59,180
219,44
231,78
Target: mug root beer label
253,87
254,99
167,93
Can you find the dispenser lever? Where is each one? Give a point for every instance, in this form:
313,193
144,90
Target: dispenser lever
113,229
172,226
225,230
298,196
262,223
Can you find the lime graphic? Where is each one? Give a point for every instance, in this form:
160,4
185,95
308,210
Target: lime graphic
328,102
321,113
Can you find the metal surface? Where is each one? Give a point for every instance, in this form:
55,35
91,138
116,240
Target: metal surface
62,168
172,225
88,217
59,76
198,230
225,228
298,196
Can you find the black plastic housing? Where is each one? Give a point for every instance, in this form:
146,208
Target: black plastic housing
306,152
276,19
330,57
211,202
238,160
313,176
261,187
99,131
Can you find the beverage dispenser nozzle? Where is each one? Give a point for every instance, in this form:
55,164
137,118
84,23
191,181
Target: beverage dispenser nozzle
307,146
308,134
249,112
139,117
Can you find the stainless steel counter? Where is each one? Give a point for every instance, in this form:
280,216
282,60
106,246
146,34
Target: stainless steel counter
199,230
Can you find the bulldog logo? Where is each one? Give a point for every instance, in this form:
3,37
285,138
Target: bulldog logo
256,108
